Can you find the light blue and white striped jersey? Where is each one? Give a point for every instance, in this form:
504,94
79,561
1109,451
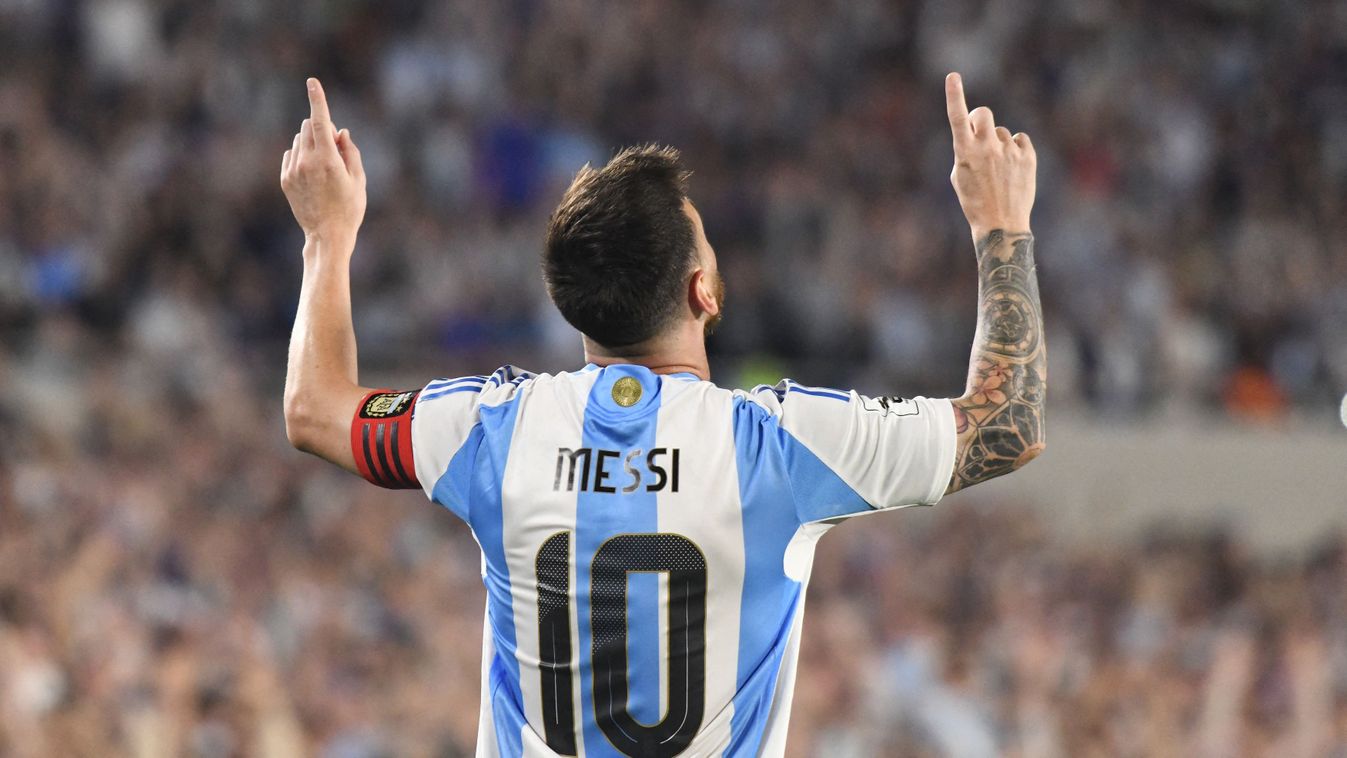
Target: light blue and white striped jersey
647,540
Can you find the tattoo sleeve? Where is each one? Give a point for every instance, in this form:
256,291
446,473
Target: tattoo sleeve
999,420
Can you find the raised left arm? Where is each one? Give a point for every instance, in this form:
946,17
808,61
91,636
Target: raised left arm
999,418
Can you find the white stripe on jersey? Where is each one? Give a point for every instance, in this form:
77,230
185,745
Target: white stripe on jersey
695,417
532,513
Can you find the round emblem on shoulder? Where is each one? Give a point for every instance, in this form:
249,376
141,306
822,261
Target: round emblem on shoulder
626,392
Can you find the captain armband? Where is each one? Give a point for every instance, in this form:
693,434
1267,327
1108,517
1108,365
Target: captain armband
381,439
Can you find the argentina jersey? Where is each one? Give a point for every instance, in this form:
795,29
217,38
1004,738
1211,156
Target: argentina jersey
647,540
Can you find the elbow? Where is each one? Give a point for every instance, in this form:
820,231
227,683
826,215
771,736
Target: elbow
1033,434
1032,451
299,424
1033,438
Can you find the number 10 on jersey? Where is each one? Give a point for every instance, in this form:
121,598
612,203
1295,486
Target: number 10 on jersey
685,670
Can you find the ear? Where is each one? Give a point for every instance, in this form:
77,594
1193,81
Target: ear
702,295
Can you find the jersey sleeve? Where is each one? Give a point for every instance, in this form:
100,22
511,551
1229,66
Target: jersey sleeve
447,413
849,454
405,440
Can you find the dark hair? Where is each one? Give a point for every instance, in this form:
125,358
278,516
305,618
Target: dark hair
619,247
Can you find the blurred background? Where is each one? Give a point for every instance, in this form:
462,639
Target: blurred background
1169,580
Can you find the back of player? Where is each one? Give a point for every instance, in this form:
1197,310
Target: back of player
647,539
646,535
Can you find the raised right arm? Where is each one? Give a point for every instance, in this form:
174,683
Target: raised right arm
999,418
324,180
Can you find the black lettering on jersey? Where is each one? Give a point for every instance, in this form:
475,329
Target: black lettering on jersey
601,472
657,470
674,475
595,470
891,405
634,473
566,454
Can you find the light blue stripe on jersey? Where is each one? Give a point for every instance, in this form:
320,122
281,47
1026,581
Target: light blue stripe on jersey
453,489
817,391
440,384
769,523
819,492
505,707
501,376
497,425
450,391
600,516
442,387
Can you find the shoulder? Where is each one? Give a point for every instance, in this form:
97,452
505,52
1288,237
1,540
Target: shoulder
496,388
507,383
511,392
790,395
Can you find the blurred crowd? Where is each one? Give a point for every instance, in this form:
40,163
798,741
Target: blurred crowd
248,607
175,581
1190,220
984,635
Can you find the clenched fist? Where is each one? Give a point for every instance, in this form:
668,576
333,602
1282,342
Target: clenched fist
993,171
322,176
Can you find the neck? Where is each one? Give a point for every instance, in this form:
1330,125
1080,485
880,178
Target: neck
682,352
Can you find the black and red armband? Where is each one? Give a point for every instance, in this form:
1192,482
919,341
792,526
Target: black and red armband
381,439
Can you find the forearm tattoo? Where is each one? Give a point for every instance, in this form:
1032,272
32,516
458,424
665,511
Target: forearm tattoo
999,419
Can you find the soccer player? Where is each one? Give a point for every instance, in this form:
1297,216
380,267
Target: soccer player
646,535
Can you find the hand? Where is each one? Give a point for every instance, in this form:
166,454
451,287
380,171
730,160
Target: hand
322,176
993,171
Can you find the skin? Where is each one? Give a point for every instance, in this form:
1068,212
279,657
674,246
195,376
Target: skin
324,180
999,419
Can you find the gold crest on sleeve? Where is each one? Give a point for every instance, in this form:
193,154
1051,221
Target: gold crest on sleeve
387,404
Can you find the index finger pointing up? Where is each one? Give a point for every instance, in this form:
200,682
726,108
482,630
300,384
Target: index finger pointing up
957,109
324,136
318,103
